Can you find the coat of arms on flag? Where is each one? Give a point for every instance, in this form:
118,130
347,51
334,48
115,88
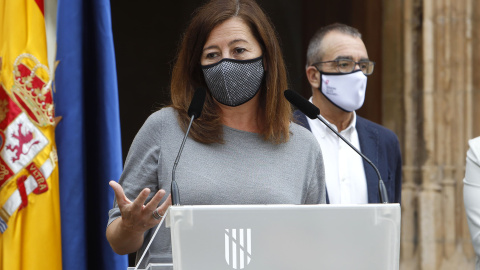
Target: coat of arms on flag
22,115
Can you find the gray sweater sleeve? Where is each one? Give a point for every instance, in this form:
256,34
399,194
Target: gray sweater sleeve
316,192
142,163
306,152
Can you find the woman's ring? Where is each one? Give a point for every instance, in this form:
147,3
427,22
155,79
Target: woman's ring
156,215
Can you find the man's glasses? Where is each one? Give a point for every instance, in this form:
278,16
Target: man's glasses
347,65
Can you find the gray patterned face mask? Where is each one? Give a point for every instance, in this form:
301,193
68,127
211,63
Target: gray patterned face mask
234,82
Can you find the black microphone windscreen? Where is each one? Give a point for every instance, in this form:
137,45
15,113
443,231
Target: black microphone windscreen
305,106
196,105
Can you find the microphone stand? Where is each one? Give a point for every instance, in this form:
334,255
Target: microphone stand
381,186
174,187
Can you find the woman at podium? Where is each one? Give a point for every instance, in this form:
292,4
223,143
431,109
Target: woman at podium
243,149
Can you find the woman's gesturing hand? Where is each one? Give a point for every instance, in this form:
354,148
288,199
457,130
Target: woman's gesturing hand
138,216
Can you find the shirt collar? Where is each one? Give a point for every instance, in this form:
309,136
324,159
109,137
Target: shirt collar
324,130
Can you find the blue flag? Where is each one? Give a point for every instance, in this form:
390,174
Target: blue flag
88,136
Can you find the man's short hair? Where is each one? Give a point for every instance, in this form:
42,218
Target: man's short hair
315,52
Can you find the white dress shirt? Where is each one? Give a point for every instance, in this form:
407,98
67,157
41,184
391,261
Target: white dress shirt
344,173
471,194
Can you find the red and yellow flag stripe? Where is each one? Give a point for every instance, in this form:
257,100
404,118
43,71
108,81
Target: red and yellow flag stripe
30,233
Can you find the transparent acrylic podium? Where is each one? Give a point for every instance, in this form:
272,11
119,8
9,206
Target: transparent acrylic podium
254,237
155,266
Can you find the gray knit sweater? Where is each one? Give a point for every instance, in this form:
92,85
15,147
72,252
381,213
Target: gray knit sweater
244,170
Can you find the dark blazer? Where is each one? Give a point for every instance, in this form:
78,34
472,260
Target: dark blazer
381,146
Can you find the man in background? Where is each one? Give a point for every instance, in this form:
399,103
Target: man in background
337,69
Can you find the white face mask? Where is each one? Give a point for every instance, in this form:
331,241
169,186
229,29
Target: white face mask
345,90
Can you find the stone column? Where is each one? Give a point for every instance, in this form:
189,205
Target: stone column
440,97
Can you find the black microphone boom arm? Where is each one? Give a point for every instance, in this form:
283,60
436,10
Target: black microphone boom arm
310,110
174,187
381,186
194,111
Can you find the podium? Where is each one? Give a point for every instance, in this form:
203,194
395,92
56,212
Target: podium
280,237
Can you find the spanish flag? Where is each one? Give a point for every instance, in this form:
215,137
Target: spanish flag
30,233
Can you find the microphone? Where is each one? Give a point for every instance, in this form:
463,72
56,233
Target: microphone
313,112
194,111
307,108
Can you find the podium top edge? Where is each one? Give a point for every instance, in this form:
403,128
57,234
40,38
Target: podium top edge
287,206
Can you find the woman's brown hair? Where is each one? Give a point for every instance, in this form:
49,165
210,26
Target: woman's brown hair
187,73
